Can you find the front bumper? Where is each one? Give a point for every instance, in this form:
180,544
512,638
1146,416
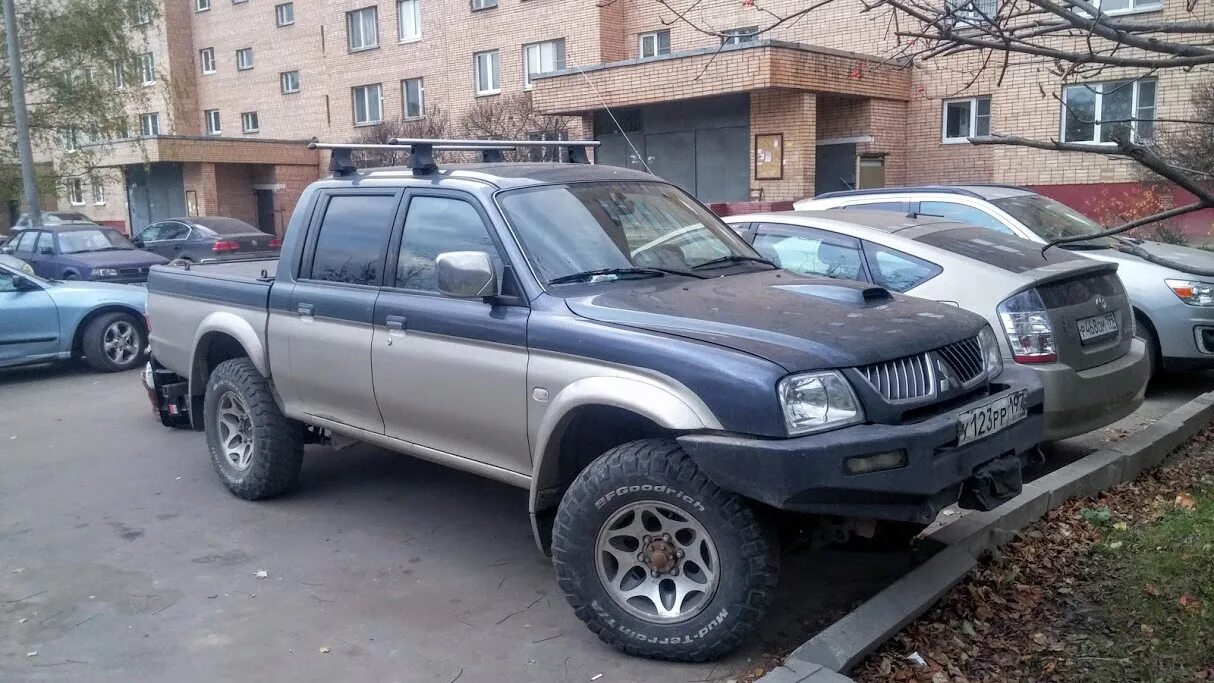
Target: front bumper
1080,401
807,474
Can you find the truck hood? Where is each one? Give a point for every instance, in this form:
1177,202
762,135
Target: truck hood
123,258
797,322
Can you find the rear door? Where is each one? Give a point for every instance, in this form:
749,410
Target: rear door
328,323
29,322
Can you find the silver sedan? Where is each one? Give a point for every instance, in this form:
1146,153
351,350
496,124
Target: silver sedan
1066,316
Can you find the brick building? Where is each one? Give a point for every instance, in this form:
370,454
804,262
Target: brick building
236,86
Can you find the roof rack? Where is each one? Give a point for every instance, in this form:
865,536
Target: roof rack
421,151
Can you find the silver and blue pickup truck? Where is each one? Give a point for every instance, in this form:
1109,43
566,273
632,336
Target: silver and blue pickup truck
596,336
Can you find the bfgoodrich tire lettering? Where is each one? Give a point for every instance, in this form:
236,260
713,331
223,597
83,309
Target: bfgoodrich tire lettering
256,450
656,475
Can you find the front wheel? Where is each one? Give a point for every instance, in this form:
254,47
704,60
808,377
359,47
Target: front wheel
113,342
659,561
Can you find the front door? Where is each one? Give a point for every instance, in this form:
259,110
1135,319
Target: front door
265,211
328,322
835,168
29,325
450,374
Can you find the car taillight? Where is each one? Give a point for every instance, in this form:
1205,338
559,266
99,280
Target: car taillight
1028,328
275,243
225,245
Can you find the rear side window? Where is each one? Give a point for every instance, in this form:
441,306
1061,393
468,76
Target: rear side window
812,252
353,239
435,225
896,270
45,241
962,214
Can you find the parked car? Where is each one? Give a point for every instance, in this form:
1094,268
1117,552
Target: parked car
44,320
506,319
1171,287
1064,316
205,238
52,218
16,264
76,251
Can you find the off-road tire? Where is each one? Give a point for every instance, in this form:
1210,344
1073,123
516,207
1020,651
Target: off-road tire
92,342
746,551
277,440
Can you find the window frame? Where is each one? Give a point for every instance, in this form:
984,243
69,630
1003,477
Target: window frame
147,68
973,119
142,13
417,21
211,122
154,118
240,64
481,5
1097,123
354,105
282,82
1133,8
118,74
202,6
75,191
374,12
98,191
657,44
866,250
244,122
760,229
204,55
476,73
278,14
421,98
735,36
308,259
558,59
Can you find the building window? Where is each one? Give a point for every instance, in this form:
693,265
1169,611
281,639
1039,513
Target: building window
413,92
75,191
206,57
284,14
239,2
202,5
147,68
71,139
149,124
244,59
408,20
973,12
211,118
965,119
362,29
143,13
1099,112
488,72
98,192
249,123
738,36
483,4
542,58
119,76
368,104
1124,6
289,81
653,44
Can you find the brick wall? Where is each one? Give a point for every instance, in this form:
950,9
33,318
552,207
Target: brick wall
792,114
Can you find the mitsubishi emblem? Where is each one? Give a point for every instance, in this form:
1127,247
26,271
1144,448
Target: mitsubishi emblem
1101,303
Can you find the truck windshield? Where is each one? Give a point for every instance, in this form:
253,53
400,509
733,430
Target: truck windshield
616,230
1052,220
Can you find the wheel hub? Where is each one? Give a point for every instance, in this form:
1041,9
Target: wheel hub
661,555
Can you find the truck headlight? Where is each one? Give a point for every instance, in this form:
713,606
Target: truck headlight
105,272
1192,292
814,401
991,355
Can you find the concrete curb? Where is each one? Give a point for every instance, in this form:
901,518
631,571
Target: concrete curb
848,641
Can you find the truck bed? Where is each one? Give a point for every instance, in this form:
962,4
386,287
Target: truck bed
243,283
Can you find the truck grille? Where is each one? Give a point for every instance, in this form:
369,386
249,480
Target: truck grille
914,377
903,379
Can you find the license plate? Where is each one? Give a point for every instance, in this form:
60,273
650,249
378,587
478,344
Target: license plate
1096,326
983,421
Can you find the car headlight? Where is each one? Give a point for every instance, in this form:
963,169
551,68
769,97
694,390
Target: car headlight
105,272
992,357
814,401
1192,293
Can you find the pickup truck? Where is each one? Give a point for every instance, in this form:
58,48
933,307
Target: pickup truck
598,337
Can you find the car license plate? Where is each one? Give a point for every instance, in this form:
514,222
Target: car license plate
1096,326
993,417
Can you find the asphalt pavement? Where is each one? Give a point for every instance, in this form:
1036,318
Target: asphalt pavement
123,558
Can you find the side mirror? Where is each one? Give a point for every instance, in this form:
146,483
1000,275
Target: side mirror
24,284
466,275
6,250
46,250
137,242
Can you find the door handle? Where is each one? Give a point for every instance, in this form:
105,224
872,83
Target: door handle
304,309
395,322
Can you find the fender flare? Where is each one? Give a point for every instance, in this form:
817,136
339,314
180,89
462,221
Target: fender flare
677,409
231,325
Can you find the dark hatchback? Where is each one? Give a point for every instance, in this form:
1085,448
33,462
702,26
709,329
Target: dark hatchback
82,251
207,238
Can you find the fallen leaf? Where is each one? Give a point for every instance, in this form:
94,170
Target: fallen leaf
1185,501
262,574
917,659
1151,590
1189,602
1115,545
1121,526
325,650
1040,638
968,629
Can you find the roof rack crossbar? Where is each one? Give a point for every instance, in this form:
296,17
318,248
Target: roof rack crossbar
421,151
478,144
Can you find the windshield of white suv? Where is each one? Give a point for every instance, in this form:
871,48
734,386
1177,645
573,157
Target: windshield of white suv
600,231
1052,220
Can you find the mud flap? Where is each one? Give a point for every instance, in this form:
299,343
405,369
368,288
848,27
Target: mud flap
993,484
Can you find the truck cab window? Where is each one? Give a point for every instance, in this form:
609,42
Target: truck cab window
353,239
435,225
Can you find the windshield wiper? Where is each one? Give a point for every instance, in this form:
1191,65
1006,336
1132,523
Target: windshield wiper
732,258
588,274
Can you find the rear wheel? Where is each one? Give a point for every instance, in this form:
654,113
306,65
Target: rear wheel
1144,332
659,561
113,342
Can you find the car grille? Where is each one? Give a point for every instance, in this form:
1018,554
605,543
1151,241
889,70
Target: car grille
127,275
914,377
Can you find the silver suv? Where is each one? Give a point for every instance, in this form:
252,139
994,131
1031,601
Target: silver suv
1171,287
